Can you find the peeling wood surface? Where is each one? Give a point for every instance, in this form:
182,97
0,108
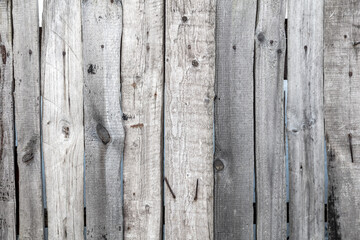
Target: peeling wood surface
7,174
342,116
104,133
189,86
305,120
62,119
269,121
142,75
234,120
27,117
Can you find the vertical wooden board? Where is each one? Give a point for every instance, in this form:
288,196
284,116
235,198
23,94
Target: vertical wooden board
104,133
62,118
189,85
27,117
7,175
142,76
234,120
342,116
269,120
305,119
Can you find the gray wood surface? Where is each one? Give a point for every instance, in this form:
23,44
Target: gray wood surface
305,126
27,117
234,120
189,86
62,118
104,133
342,116
142,76
269,121
7,174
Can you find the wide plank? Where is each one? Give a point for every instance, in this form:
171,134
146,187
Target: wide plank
342,116
305,120
234,120
7,174
269,121
27,117
104,132
142,77
189,86
62,118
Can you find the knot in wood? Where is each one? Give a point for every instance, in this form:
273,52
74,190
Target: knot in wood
218,165
28,157
103,134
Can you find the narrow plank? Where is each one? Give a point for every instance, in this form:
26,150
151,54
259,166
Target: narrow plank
269,120
104,132
27,117
189,86
305,127
234,120
7,174
142,75
342,116
62,119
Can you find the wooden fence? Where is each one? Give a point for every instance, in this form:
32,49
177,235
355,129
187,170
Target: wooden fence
178,109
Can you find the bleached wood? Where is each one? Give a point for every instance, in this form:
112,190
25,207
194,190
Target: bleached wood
342,116
7,174
234,120
104,133
142,66
269,121
189,85
27,117
62,118
305,126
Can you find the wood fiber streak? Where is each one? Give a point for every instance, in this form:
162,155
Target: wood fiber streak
189,86
142,76
7,174
342,116
269,120
62,118
27,117
234,120
104,132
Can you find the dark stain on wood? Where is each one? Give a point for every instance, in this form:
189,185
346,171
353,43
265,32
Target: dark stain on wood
333,216
103,134
3,53
91,69
261,37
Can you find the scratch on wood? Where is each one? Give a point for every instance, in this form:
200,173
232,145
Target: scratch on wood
171,191
350,145
196,189
140,125
3,53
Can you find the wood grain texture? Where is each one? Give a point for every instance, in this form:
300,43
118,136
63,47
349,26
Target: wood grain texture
269,120
142,76
7,174
189,84
305,126
62,118
342,116
234,120
27,117
104,132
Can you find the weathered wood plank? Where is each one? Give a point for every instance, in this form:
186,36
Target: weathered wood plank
269,120
234,120
62,119
305,119
189,83
104,133
7,174
142,71
342,116
27,117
